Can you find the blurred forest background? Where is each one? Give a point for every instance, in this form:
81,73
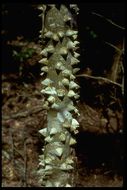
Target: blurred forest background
99,146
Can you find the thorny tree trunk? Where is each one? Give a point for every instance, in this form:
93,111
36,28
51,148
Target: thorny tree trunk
59,59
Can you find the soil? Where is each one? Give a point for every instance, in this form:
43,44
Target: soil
99,157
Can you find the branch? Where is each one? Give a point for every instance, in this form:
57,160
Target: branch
25,163
116,48
23,114
100,78
108,20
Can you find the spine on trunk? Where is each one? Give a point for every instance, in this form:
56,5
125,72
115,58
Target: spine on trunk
59,66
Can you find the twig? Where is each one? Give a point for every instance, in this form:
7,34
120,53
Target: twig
100,78
116,48
25,163
108,20
12,146
122,67
19,152
23,114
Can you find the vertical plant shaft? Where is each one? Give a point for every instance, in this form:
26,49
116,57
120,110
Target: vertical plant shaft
59,60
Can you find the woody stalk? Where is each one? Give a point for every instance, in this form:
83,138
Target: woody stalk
59,66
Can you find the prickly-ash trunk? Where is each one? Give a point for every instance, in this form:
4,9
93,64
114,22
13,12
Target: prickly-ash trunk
59,60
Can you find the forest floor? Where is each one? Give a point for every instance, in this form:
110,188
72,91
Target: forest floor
22,117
